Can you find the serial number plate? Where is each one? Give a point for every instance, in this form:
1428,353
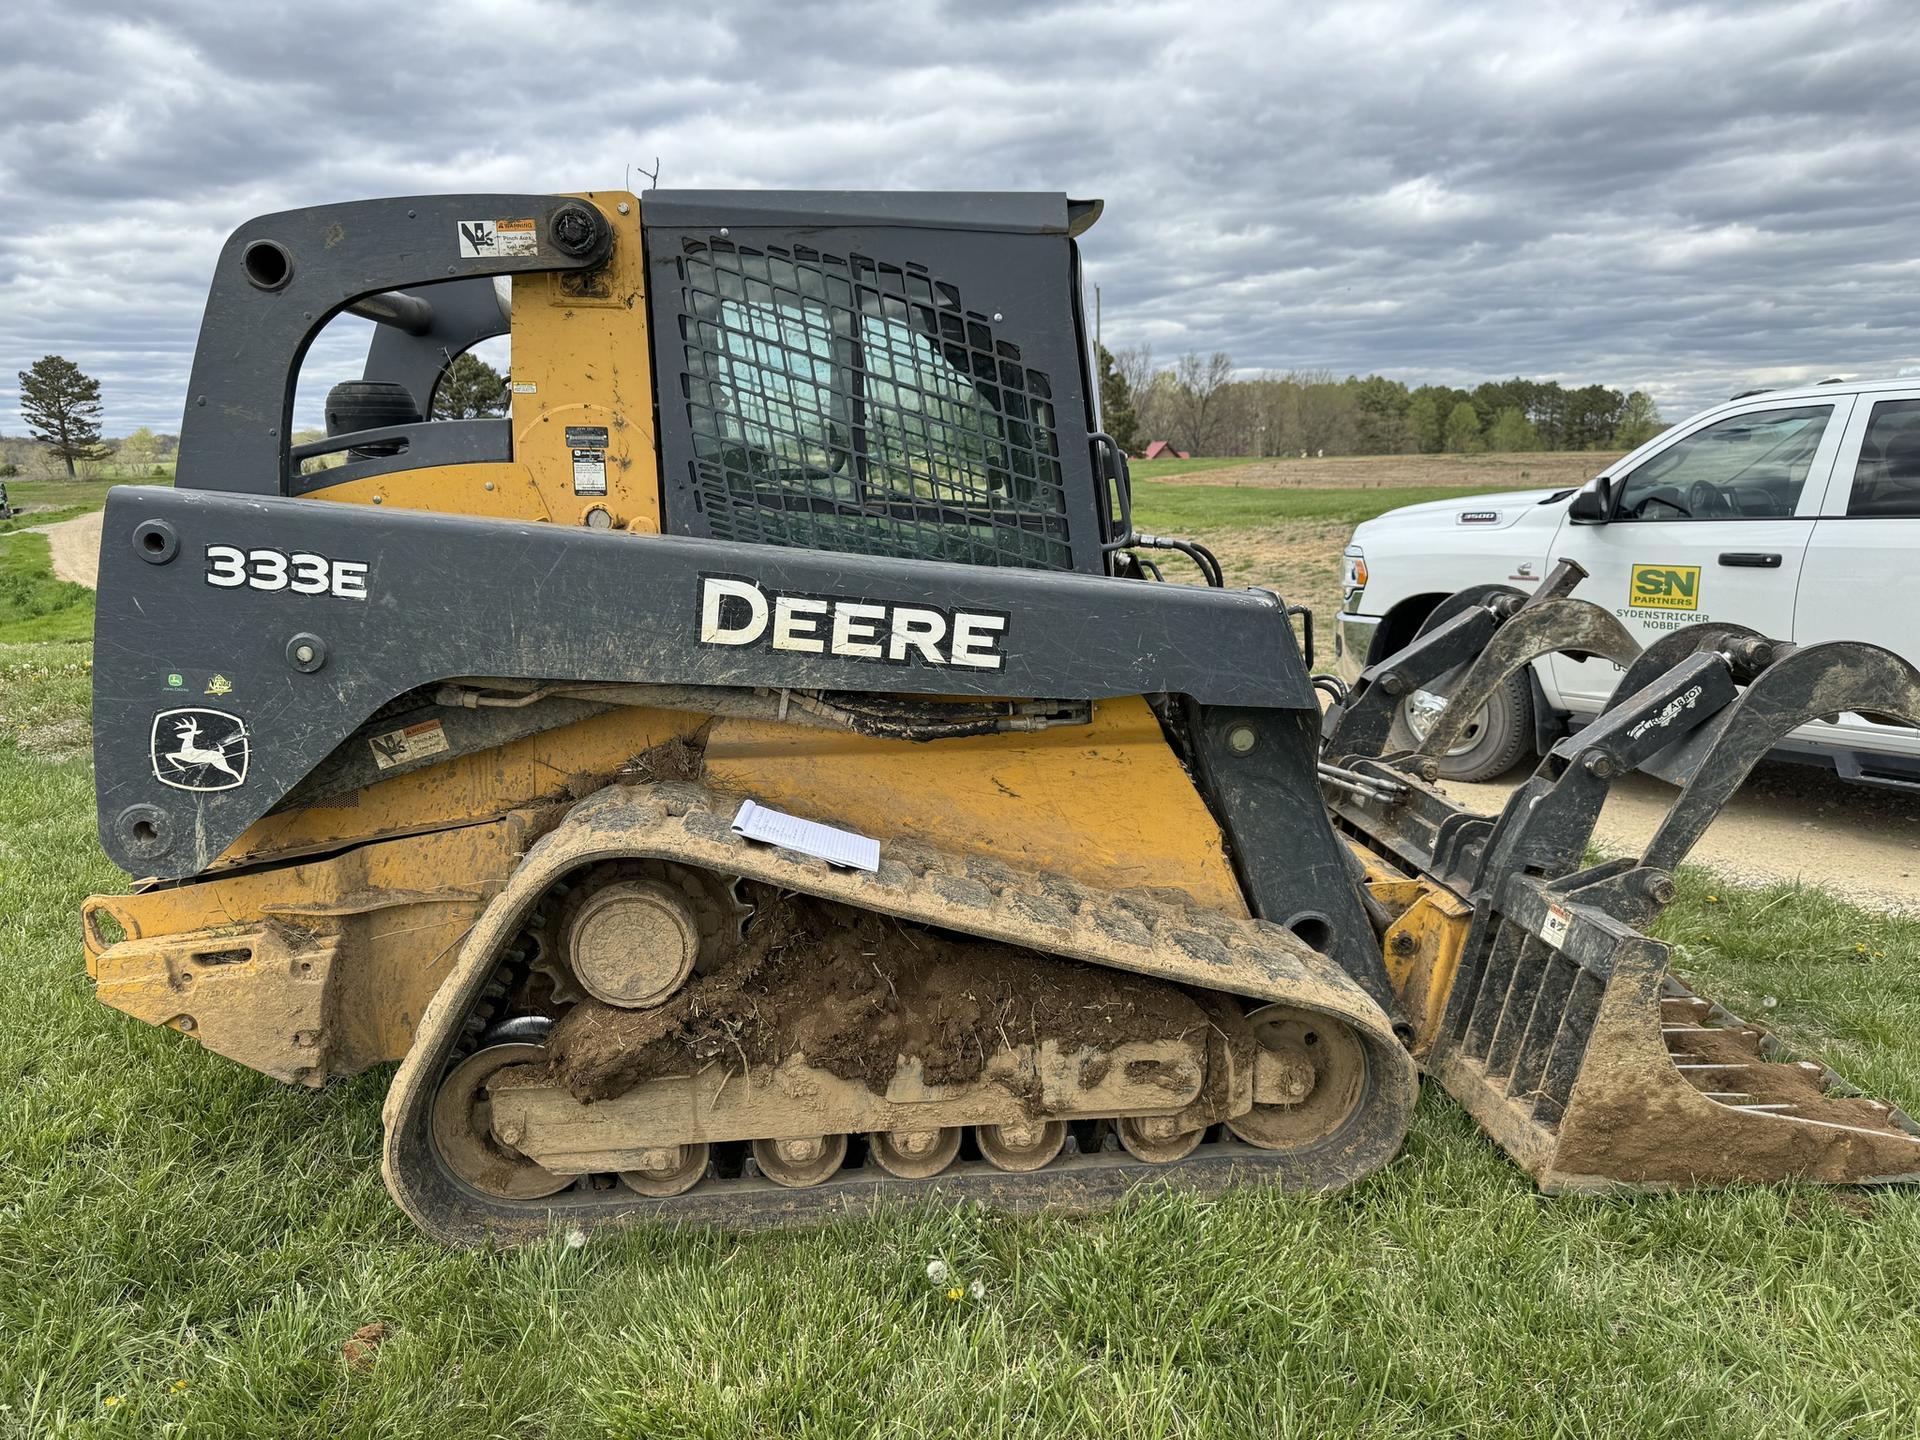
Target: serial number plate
301,572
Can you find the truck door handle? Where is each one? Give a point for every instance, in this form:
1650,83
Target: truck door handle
1751,559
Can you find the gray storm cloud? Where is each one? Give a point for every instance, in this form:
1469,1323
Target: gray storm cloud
1689,199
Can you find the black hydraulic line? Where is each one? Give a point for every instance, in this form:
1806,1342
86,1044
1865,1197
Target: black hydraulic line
1201,556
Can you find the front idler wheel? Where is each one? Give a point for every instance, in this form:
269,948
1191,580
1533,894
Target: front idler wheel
1309,1077
463,1128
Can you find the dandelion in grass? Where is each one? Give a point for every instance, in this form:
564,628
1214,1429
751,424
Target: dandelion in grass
937,1272
576,1238
955,1293
110,1402
978,1290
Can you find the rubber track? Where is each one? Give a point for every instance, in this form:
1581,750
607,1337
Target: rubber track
1157,933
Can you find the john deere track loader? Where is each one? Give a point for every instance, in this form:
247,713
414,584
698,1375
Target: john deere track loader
767,773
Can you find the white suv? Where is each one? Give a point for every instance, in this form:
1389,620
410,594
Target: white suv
1793,512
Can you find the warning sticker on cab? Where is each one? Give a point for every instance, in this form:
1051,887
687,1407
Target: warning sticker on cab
403,747
1664,587
484,239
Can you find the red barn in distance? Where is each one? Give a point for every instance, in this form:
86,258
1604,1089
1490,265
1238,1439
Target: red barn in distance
1163,450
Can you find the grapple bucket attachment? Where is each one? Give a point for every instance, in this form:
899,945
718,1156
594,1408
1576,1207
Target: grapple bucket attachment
1563,1031
1567,1038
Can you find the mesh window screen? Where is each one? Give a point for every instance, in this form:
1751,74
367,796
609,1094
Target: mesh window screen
838,403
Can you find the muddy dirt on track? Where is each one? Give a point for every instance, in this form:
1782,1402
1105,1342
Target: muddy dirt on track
853,991
1788,823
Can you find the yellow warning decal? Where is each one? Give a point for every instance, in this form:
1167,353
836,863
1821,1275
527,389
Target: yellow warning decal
1665,587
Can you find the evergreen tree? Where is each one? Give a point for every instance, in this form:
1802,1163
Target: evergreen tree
1116,403
1380,415
470,389
1639,422
62,409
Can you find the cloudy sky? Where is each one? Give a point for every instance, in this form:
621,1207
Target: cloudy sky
1692,198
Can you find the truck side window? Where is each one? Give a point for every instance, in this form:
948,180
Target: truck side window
1886,478
1746,467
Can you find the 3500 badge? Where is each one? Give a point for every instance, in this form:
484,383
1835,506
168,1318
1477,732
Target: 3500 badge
301,572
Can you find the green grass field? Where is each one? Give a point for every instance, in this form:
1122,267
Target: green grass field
1168,469
187,1245
33,605
1283,537
64,494
1182,509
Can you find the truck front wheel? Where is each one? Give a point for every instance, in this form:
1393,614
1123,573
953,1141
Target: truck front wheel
1495,741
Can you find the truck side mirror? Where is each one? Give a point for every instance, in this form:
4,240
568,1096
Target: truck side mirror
1594,505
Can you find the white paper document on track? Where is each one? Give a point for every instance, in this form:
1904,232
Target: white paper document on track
809,837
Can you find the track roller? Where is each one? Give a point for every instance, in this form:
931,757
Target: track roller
1023,1147
668,1170
1157,1139
915,1154
802,1160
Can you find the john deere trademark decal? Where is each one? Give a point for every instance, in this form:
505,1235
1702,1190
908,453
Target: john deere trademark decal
1664,587
196,749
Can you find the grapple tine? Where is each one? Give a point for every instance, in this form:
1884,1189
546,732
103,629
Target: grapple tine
1544,626
1798,687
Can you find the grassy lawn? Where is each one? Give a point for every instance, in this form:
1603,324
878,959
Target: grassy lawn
1167,469
34,605
62,494
1283,537
187,1245
47,502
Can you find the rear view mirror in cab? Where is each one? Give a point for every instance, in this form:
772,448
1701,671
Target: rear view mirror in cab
1593,505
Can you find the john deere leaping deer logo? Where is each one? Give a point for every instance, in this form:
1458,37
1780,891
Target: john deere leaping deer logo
200,749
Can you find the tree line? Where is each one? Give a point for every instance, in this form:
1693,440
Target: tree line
1196,404
1199,406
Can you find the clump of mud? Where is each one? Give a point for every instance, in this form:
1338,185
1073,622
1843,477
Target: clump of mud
855,992
675,759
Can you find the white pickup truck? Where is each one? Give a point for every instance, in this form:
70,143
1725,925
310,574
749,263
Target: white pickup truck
1794,512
